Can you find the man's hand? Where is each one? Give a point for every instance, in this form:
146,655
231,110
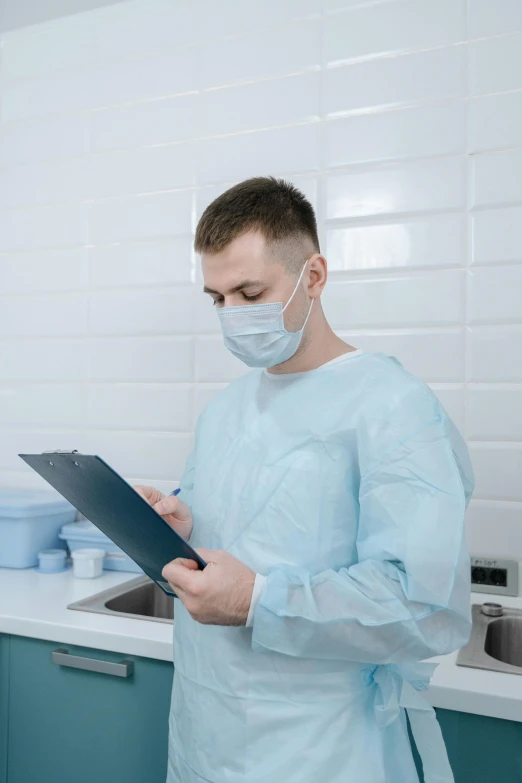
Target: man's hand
172,509
218,595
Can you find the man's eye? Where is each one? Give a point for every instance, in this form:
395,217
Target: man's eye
251,298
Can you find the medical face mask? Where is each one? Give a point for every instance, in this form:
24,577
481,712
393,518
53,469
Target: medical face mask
256,334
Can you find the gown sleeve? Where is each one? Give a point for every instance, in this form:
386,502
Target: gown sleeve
408,595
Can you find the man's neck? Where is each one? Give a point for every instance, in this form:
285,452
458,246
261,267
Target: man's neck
322,346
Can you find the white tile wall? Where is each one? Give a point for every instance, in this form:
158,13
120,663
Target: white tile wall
400,120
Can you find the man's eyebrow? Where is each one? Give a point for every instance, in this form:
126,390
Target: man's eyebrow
239,287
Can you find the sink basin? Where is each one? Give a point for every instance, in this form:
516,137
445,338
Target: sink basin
504,640
140,598
495,642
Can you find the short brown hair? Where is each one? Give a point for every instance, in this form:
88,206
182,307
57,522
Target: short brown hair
272,206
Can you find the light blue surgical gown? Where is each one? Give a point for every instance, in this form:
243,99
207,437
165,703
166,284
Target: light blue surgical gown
347,487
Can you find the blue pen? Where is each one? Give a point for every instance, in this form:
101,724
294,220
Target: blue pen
175,491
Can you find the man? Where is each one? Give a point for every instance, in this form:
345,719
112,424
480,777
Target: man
328,489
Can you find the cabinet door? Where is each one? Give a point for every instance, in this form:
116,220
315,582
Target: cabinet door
480,749
68,724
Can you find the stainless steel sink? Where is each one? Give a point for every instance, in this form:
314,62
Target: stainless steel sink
140,598
496,639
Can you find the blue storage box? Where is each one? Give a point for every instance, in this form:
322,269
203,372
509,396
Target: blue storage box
85,534
30,520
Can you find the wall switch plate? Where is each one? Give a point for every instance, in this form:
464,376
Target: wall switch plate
494,575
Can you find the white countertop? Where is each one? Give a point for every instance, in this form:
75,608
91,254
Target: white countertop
34,605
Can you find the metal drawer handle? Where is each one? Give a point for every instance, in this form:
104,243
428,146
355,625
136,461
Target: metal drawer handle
62,657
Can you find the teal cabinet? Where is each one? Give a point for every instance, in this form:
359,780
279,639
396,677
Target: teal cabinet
71,724
4,704
481,749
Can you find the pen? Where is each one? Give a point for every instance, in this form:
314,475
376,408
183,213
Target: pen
175,491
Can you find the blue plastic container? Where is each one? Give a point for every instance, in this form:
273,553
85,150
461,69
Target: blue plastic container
79,535
30,520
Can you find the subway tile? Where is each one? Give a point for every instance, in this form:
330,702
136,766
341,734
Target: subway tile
494,352
495,64
495,295
144,406
409,187
388,83
389,28
44,49
43,96
36,140
142,312
494,412
144,27
435,356
294,149
49,315
141,359
44,360
141,217
235,17
497,236
504,518
154,262
42,227
497,178
44,183
257,105
331,6
203,394
48,270
399,301
495,121
409,133
120,81
206,320
139,125
143,78
43,405
214,363
143,170
452,400
430,242
487,18
33,440
151,455
498,468
280,51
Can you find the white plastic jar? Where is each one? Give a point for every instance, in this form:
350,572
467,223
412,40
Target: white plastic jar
87,563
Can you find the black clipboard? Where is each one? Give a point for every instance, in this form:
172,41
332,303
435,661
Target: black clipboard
107,500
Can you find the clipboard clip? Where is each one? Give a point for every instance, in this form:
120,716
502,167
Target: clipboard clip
61,451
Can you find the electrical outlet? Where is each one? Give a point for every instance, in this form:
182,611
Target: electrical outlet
494,575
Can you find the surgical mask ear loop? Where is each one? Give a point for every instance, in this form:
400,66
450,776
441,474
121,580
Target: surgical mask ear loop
296,286
293,294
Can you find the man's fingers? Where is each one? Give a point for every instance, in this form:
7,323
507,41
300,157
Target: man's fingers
208,555
181,573
168,505
186,563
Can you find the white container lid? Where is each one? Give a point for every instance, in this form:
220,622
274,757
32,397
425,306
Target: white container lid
30,502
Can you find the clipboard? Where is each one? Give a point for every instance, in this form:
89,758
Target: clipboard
111,503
